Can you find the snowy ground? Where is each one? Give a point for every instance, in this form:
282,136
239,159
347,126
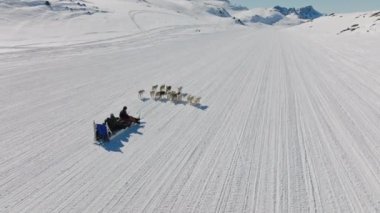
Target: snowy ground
289,122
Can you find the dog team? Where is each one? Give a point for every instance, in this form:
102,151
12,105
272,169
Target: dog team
165,91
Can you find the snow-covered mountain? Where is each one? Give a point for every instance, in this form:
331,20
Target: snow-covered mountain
344,24
76,20
279,15
72,21
307,12
49,9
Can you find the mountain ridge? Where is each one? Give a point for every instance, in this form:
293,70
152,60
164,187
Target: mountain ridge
279,15
307,12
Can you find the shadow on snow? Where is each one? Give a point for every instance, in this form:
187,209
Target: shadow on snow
165,100
144,99
201,107
121,137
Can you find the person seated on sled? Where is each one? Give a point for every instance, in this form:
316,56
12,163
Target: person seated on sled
127,118
115,124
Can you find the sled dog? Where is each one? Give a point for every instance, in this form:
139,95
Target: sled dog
174,96
152,93
159,95
196,100
141,92
190,99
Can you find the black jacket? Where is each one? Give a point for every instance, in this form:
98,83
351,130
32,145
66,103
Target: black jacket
124,115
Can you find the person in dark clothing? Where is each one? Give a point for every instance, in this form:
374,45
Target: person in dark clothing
115,124
112,123
127,118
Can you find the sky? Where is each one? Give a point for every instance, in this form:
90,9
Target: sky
324,6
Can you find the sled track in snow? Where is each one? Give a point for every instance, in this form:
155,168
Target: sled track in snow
149,37
290,125
133,13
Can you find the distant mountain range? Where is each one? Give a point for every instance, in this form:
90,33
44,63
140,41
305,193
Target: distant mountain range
307,12
208,10
242,15
279,15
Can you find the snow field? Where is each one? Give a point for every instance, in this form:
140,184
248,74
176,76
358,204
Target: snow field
290,125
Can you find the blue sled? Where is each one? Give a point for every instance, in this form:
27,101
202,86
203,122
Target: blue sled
102,133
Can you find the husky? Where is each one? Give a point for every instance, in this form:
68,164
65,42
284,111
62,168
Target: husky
196,101
179,97
179,89
168,88
152,93
159,95
154,88
162,87
190,99
174,96
141,92
169,95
